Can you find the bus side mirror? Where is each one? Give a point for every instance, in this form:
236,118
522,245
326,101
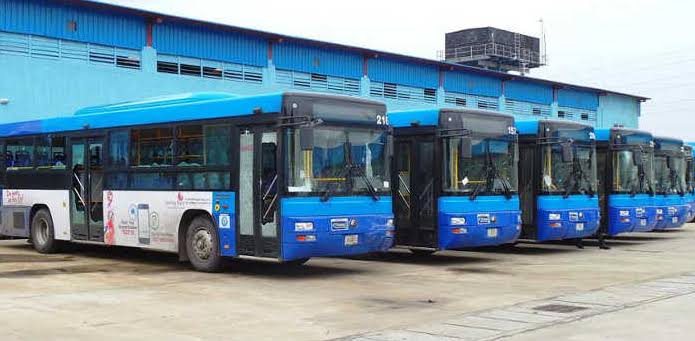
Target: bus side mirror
306,138
466,148
567,152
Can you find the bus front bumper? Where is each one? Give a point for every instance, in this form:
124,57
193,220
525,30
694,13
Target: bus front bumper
672,217
556,224
458,231
631,219
336,236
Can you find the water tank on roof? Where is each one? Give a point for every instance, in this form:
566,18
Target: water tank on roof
493,48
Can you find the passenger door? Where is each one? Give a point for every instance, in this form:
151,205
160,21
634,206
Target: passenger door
86,192
258,192
415,191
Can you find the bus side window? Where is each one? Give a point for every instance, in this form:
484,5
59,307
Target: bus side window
118,149
21,154
50,152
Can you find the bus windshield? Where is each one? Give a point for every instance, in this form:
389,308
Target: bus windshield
343,161
669,176
569,177
630,176
491,169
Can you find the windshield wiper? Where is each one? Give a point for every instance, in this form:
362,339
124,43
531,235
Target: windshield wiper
347,172
490,174
329,189
578,176
363,176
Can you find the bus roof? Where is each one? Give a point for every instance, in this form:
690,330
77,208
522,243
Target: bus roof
430,117
530,127
174,108
666,139
604,134
183,107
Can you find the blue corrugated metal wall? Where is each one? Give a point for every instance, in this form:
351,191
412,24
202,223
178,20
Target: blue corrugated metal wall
577,99
528,92
297,57
40,17
407,73
198,42
472,84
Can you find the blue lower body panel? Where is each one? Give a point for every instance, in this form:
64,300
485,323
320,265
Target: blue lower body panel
628,213
485,221
576,216
674,212
342,226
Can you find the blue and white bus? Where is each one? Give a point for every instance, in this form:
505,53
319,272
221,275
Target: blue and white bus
559,189
689,181
626,178
282,177
455,179
669,179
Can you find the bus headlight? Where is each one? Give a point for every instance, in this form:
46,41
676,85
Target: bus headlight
659,211
458,221
672,211
554,216
624,213
303,226
389,222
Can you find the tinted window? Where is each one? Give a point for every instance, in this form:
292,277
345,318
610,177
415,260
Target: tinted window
151,147
19,154
118,148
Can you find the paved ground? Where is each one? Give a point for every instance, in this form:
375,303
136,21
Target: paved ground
129,294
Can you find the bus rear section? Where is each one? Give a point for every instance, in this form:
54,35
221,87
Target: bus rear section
559,189
670,180
455,183
625,167
281,177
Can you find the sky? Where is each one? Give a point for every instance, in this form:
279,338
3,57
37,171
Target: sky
640,47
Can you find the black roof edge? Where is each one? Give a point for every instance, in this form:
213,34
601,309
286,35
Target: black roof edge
280,37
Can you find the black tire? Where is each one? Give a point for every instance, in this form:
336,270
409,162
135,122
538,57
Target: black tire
42,232
203,246
421,252
296,262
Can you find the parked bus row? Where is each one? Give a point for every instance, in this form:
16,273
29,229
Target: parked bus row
291,176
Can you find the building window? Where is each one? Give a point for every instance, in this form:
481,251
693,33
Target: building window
561,114
585,117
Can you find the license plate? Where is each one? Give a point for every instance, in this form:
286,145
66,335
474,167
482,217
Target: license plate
351,239
643,222
580,226
492,233
674,220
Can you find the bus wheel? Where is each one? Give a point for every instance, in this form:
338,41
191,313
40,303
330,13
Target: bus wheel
202,245
296,262
421,252
42,233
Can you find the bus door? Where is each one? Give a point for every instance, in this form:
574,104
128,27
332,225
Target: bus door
258,192
86,192
415,199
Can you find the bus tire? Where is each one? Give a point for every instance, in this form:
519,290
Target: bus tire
42,232
202,245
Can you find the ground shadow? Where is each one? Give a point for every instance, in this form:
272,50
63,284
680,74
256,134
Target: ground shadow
140,261
435,259
530,248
